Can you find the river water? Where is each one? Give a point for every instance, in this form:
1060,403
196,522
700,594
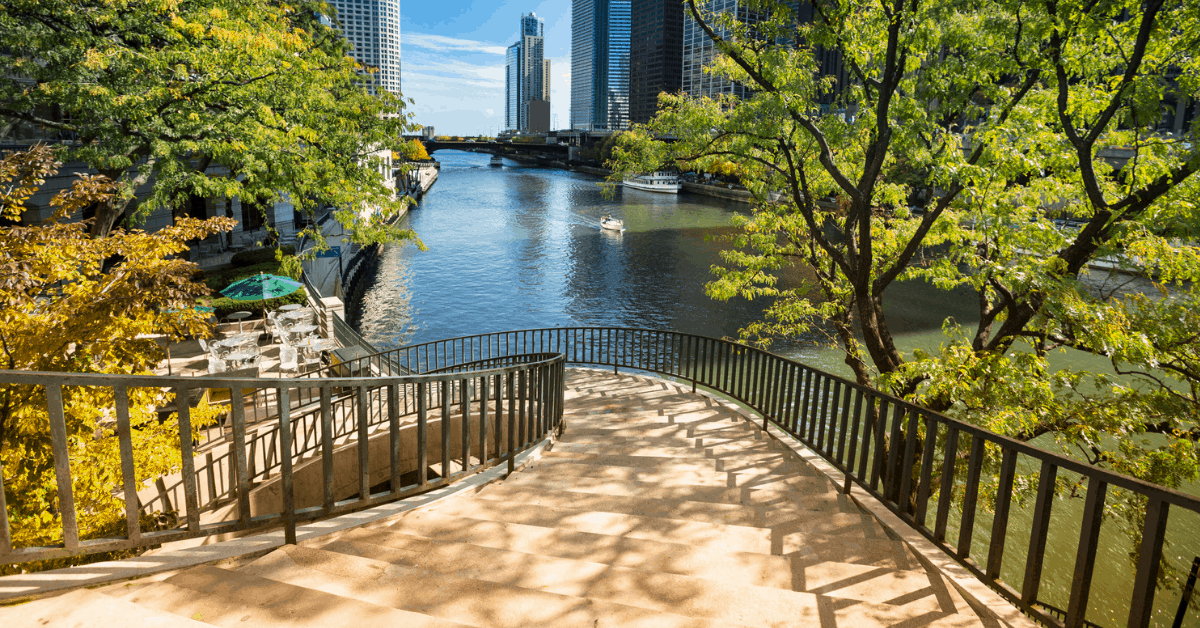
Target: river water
520,247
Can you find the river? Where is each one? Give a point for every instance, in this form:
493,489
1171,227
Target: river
519,247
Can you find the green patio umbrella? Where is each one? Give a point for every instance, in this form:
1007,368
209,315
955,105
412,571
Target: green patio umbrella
260,287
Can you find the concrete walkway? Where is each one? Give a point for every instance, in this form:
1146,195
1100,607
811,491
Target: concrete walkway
657,507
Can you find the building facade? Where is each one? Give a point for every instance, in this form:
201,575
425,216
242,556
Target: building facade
373,29
655,53
526,74
600,38
699,51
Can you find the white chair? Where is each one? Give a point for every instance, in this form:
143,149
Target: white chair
274,327
215,364
289,359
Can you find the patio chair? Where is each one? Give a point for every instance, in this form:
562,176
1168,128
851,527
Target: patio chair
289,359
215,365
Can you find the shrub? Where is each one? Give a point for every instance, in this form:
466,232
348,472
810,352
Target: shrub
258,256
225,306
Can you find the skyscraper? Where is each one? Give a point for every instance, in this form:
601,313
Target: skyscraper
699,50
600,31
526,71
656,54
373,28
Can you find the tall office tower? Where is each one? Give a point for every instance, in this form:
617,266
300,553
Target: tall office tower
373,28
600,31
656,55
525,79
699,49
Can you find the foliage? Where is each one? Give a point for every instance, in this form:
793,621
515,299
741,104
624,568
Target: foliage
211,99
73,303
992,117
259,256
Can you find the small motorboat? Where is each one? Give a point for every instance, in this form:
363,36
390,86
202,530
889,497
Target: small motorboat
496,161
608,222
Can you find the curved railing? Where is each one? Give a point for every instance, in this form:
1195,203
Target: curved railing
478,418
931,470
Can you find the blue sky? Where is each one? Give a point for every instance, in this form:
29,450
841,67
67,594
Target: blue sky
453,60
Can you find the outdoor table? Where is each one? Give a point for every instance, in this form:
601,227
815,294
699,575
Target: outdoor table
237,358
239,317
296,315
235,341
314,345
290,307
303,329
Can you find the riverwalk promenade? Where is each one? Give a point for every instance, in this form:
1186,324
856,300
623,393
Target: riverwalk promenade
656,506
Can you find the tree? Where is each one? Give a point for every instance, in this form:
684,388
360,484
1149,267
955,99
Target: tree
994,118
208,98
63,309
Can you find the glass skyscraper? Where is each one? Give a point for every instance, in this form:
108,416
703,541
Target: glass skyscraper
600,38
373,28
525,79
655,53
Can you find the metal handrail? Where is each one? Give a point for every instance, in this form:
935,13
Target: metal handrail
890,448
343,412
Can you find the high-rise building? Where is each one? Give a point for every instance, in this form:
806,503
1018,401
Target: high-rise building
373,29
526,73
600,31
656,54
699,50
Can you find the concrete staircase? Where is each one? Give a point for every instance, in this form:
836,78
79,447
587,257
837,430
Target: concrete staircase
657,508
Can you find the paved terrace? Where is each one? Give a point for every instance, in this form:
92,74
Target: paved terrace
656,507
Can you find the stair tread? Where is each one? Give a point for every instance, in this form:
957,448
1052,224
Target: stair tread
667,508
723,537
84,608
668,476
451,596
805,571
694,597
222,597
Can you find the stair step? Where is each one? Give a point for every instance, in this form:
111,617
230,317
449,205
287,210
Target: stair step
780,572
778,502
229,598
715,537
685,450
703,475
549,476
84,608
665,508
694,597
450,596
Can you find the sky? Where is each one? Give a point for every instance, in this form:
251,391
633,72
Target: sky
452,60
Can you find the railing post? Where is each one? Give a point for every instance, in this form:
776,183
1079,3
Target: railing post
1085,557
512,427
422,435
1149,558
285,447
133,528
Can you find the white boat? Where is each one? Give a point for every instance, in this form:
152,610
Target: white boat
496,161
659,181
608,222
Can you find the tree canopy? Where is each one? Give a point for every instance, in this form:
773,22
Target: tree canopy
963,131
209,98
65,306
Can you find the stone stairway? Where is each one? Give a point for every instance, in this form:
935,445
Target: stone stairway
657,508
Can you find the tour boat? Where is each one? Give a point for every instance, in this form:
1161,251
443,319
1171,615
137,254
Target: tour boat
496,161
666,182
608,222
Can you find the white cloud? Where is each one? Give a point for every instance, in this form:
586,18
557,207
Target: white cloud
439,42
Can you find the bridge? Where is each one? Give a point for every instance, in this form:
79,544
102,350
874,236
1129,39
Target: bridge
552,152
522,479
